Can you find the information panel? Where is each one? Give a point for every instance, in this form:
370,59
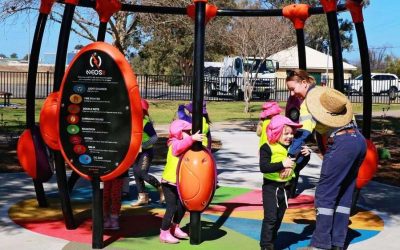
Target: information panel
95,114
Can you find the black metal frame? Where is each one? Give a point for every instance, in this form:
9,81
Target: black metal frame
198,85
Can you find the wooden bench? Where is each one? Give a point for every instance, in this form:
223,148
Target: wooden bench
7,97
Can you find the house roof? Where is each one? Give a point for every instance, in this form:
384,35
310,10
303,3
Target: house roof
288,58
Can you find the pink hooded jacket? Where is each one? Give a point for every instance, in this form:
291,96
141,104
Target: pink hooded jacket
179,144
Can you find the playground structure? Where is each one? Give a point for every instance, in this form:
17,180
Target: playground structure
34,154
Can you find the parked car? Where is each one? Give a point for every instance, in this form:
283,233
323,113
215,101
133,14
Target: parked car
381,83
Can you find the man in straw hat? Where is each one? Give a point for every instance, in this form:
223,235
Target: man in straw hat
346,150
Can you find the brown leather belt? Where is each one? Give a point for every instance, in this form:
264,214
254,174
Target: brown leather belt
345,131
341,132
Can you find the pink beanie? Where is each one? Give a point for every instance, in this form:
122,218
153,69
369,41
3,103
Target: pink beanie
270,108
275,127
176,128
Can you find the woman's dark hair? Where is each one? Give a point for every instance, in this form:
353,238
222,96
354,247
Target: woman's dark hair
300,75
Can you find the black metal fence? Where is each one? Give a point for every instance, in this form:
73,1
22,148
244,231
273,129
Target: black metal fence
175,87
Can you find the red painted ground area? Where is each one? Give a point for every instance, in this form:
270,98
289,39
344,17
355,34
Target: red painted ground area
131,226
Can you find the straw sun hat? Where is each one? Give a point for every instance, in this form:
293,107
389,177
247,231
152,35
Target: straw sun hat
329,106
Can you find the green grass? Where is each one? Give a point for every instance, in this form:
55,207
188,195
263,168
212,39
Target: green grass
163,112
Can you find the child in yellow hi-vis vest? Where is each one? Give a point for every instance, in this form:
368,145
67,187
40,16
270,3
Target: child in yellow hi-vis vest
180,140
277,168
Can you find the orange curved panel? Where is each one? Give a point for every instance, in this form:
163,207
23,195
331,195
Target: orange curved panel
26,153
196,179
48,121
99,113
369,165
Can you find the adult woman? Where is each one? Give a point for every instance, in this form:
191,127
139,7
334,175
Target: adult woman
299,83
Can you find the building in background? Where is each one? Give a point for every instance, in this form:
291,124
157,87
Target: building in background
318,64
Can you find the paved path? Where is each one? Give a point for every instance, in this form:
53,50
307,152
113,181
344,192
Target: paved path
237,163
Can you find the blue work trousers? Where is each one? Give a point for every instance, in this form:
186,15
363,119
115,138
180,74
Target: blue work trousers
333,195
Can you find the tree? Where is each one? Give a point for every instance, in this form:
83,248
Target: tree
393,65
14,56
258,37
78,46
26,57
170,43
122,26
316,29
377,59
2,55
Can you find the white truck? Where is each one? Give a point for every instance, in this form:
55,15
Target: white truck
230,78
381,83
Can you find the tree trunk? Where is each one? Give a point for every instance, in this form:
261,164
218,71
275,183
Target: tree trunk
248,91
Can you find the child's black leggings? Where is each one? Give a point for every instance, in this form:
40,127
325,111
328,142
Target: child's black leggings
175,209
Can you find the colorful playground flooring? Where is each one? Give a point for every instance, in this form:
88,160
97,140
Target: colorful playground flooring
232,221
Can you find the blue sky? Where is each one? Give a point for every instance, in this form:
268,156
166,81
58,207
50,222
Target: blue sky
381,23
382,27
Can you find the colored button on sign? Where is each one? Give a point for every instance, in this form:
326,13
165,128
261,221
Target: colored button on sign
72,129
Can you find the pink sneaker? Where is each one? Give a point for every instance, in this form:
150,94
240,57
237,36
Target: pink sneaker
177,232
166,237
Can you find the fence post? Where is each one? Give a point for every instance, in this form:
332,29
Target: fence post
145,85
47,82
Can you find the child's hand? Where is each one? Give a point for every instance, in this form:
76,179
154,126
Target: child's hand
305,150
197,136
285,173
288,163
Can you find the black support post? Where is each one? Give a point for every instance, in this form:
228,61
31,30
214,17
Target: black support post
63,191
30,93
97,214
198,95
59,70
366,71
301,49
336,50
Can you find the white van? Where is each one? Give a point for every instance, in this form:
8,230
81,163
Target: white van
381,83
262,74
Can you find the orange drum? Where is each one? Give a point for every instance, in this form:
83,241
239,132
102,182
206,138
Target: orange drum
32,155
369,165
196,179
48,120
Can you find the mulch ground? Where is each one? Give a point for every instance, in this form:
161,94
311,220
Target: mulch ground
388,169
